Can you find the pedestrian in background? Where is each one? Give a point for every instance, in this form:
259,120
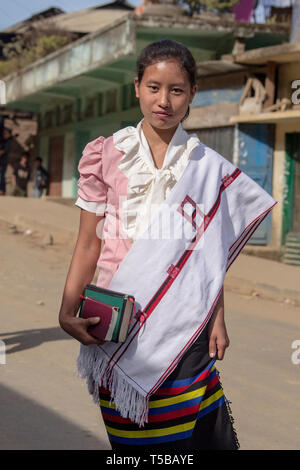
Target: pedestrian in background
21,176
4,154
40,178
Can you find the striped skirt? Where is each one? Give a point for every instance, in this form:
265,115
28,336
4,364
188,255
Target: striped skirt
188,411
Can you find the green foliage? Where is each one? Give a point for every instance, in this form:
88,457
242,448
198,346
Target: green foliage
8,66
44,46
196,6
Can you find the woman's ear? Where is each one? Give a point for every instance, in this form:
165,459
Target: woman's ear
136,86
193,92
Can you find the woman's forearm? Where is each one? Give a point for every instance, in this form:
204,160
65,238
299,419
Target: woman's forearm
83,264
218,314
81,272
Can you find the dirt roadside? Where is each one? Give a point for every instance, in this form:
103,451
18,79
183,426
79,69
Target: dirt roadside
44,405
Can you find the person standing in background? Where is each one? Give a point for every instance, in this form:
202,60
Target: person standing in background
4,153
21,176
40,178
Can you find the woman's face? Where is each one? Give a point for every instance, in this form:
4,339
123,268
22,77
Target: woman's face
164,93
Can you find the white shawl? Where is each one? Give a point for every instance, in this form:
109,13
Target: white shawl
176,272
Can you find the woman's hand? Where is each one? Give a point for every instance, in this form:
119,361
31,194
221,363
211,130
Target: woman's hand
77,327
217,334
218,339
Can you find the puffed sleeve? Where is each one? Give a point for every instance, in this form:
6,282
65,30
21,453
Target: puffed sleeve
92,191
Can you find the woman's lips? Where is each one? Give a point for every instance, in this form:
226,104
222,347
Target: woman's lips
159,114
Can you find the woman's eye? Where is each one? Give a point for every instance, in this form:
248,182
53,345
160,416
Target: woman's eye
153,87
177,90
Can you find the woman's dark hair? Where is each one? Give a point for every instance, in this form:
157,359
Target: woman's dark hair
164,50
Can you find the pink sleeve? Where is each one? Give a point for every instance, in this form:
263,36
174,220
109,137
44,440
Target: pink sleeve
91,186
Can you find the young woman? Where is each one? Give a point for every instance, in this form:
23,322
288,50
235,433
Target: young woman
161,389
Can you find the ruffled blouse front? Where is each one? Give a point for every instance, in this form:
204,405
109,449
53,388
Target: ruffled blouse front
148,186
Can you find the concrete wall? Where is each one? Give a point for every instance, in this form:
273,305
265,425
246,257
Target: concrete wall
215,101
286,74
68,165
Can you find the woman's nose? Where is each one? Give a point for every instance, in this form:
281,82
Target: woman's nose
164,99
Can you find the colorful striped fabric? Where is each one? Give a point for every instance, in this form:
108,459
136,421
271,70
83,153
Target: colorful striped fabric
174,410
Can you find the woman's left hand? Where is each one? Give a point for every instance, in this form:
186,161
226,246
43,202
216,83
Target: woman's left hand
217,334
218,338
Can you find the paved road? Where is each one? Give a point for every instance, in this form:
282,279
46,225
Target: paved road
44,405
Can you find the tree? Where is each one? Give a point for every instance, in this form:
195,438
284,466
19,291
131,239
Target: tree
197,6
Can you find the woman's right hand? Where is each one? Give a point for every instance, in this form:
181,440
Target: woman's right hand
77,328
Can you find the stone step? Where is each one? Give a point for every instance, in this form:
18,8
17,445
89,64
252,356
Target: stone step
291,261
290,256
292,249
293,237
291,253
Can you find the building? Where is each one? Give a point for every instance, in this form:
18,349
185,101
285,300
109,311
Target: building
251,102
85,89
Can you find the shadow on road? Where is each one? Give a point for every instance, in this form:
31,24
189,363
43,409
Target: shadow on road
25,424
26,339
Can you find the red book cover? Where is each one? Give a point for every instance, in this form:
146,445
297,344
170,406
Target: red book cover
95,308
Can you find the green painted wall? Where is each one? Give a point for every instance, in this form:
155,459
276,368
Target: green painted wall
292,146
